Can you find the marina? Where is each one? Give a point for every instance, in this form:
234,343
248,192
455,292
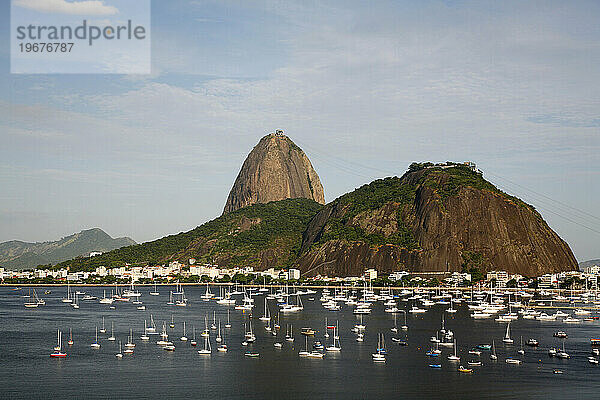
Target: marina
337,350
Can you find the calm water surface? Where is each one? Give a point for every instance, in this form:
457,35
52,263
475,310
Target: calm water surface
27,337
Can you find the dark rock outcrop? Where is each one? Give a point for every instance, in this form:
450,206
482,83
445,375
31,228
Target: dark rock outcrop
276,169
431,219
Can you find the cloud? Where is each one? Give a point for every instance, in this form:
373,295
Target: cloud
86,7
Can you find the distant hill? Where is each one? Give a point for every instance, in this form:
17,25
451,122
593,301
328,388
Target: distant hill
22,255
589,263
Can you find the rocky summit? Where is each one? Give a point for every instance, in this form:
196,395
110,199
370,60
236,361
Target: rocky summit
276,169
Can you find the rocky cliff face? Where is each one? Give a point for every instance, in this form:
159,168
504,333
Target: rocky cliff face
276,169
431,219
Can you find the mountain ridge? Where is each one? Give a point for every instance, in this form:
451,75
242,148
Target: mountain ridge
433,218
16,254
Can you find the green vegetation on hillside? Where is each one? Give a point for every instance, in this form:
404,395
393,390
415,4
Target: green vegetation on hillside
445,180
371,197
277,224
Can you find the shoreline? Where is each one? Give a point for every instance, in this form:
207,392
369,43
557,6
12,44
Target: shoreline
461,288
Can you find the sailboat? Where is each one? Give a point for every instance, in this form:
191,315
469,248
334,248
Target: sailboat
172,325
183,338
68,298
250,335
152,328
326,329
454,357
74,304
120,353
193,341
58,349
493,356
214,324
155,292
521,351
170,302
266,315
103,329
130,344
70,342
145,335
219,338
395,328
31,303
379,356
163,337
105,300
206,350
289,335
112,334
207,295
507,338
335,343
228,324
95,345
562,353
305,352
223,347
206,332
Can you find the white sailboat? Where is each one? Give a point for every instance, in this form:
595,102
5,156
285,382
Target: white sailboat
95,345
112,334
219,339
70,342
454,357
103,329
68,298
228,324
206,350
335,344
493,356
183,338
305,352
145,335
152,328
120,353
223,347
266,315
155,292
105,300
521,351
130,344
379,356
507,339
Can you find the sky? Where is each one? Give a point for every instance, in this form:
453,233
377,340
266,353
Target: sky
365,88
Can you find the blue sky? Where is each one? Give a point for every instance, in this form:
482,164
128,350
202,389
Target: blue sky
364,88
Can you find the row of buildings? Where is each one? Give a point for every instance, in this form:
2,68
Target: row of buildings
173,269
